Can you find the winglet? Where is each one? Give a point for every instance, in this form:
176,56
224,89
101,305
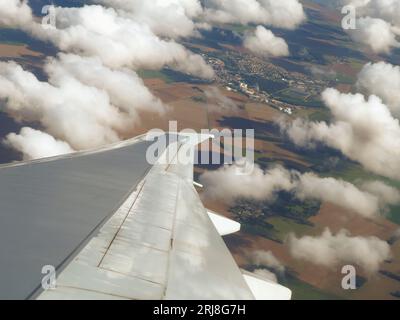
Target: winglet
265,289
223,225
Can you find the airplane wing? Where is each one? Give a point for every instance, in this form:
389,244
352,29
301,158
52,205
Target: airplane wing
114,226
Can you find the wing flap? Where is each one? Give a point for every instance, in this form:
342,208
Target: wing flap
201,266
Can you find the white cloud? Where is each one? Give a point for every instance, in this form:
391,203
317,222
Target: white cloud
126,90
226,184
368,200
388,10
264,43
92,96
84,102
378,34
383,80
362,129
170,18
287,14
387,195
331,250
261,258
266,274
34,144
69,110
15,13
378,24
90,29
129,29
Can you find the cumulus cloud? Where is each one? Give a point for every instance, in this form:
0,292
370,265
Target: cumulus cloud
383,80
15,13
378,24
362,129
266,259
169,18
90,29
287,14
267,265
130,29
93,96
83,103
68,109
388,10
226,184
387,195
34,144
332,250
266,274
124,87
368,200
264,43
378,34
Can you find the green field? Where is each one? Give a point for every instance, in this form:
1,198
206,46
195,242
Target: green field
303,291
284,226
239,28
154,74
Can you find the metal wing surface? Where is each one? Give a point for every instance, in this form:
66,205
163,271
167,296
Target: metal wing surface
115,226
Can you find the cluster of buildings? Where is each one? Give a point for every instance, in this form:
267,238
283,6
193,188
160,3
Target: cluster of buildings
232,67
287,110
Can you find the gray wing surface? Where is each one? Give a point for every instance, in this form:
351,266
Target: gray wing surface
51,208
